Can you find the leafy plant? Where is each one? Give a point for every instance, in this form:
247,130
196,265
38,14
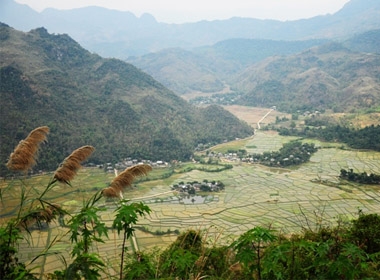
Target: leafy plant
10,267
141,265
365,232
250,248
126,218
179,259
86,228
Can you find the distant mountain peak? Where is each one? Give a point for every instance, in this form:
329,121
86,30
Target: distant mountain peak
121,34
148,18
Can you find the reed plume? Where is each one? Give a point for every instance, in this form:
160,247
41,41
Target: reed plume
25,154
39,215
69,167
125,180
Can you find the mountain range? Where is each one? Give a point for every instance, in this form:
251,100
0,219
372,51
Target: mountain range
330,76
211,68
342,75
131,107
85,99
112,33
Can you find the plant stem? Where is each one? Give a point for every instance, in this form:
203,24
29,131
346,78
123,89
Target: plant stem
122,252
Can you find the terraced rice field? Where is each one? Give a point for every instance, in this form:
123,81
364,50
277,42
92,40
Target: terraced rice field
285,199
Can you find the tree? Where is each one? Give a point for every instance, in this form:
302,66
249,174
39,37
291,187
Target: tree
365,232
179,259
250,248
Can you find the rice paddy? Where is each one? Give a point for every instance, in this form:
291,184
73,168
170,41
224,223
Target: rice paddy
285,199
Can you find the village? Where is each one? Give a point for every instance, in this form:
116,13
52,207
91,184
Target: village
127,162
191,188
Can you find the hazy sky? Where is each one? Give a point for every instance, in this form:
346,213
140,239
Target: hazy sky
179,11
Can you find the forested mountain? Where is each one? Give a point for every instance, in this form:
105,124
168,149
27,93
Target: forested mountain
88,100
294,75
209,68
121,34
368,42
181,71
326,77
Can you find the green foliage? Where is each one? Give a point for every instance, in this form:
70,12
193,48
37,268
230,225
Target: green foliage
217,260
289,259
140,266
292,153
186,258
179,259
250,247
363,178
86,228
127,216
365,231
323,254
125,219
204,167
365,138
10,267
85,225
85,265
240,153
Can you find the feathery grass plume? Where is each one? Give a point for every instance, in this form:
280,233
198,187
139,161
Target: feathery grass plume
69,167
37,216
125,179
110,192
24,155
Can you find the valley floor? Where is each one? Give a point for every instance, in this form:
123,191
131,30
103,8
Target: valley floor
288,200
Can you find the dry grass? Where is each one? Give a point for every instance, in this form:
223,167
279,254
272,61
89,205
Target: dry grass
67,171
25,154
125,180
252,115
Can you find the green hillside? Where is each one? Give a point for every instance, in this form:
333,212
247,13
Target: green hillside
88,100
326,77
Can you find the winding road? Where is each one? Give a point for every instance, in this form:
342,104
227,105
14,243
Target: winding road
258,123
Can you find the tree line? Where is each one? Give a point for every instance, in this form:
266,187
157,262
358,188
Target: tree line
363,178
364,138
292,153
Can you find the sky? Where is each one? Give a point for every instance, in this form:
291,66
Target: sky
181,11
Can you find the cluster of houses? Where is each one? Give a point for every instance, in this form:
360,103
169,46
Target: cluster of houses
128,162
194,187
227,156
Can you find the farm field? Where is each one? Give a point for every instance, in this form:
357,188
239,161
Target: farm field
285,199
252,115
